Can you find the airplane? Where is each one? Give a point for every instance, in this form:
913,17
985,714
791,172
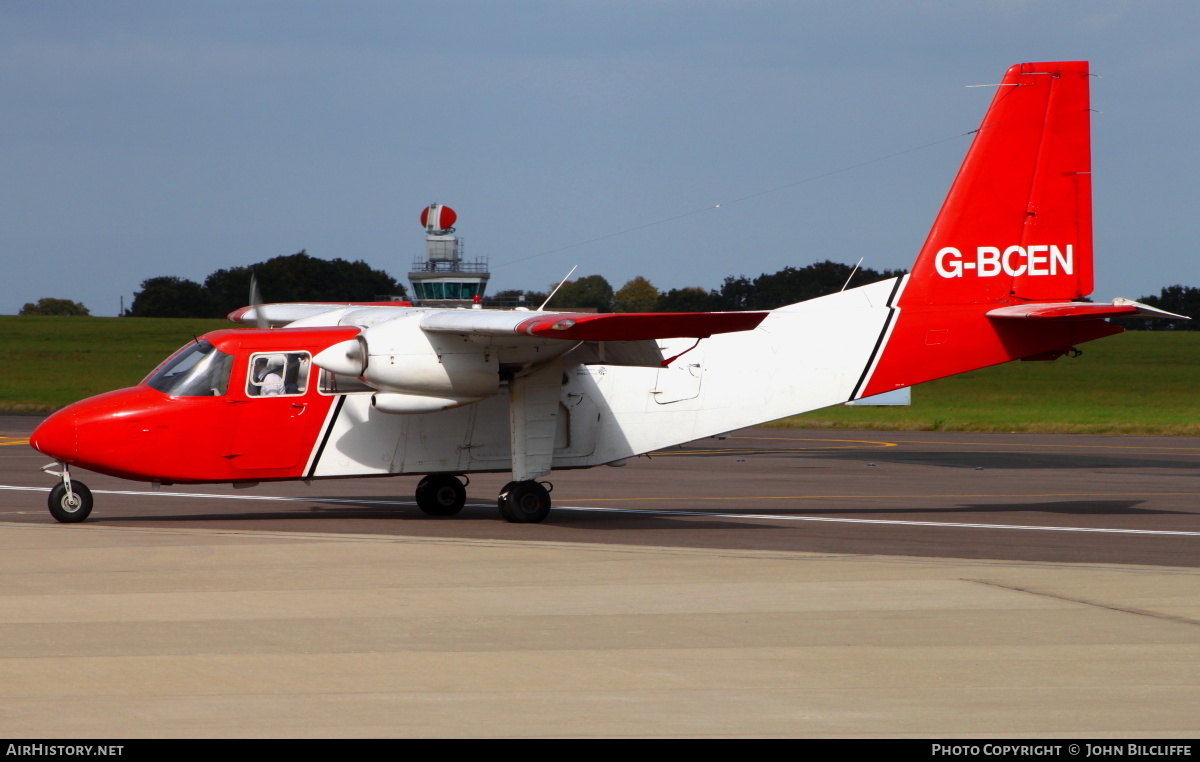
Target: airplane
326,391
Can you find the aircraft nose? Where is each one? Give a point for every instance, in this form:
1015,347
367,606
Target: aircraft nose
57,436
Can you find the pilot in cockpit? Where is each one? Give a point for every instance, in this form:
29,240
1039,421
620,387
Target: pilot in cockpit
268,376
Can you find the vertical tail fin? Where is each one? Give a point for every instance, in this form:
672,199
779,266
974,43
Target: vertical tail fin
1015,228
1017,223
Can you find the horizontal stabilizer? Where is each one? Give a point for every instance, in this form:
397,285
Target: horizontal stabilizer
1082,311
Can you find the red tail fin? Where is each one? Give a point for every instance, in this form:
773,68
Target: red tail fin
1017,223
1015,228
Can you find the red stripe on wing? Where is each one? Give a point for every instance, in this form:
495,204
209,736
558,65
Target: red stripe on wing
637,326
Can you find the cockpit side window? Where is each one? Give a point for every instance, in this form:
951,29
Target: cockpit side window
197,370
278,374
334,383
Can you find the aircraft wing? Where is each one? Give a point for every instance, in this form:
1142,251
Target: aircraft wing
279,315
1082,311
567,326
434,337
586,326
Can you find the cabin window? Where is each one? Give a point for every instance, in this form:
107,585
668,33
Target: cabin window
335,383
197,370
278,374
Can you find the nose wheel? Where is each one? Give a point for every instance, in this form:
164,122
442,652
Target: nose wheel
70,507
70,501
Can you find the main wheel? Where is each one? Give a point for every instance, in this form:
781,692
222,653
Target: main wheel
524,502
70,510
441,495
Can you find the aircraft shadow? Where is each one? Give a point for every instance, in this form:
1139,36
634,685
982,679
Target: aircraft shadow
1063,508
484,520
339,513
647,518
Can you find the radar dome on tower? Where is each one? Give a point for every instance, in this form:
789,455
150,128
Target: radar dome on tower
438,219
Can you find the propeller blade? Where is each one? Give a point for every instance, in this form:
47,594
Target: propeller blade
260,317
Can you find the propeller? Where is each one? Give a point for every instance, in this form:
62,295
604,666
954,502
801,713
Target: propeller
260,317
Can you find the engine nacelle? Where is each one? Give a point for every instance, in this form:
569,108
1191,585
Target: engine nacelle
409,404
398,358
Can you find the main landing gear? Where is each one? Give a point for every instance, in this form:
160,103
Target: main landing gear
526,502
70,501
441,495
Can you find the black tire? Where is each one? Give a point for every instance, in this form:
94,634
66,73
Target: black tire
67,512
524,502
441,495
502,504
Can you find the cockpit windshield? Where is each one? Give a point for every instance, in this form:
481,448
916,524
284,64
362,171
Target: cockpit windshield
198,370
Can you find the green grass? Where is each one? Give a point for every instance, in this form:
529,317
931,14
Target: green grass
50,362
1139,382
1135,383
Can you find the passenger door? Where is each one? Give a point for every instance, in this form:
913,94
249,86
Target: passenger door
271,420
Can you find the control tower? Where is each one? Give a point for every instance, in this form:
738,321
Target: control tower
443,278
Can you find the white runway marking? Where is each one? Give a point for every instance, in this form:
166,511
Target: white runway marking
644,512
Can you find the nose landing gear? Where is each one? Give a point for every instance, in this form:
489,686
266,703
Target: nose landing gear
70,502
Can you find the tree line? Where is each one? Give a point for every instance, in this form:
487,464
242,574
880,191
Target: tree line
51,306
303,278
791,285
766,292
295,278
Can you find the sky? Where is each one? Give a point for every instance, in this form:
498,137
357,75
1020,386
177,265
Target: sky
680,141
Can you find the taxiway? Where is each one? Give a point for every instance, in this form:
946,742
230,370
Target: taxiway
775,583
1078,499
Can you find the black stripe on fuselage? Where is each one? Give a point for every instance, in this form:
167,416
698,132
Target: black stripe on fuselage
879,341
325,438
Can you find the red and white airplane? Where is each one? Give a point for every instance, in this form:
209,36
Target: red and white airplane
346,390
